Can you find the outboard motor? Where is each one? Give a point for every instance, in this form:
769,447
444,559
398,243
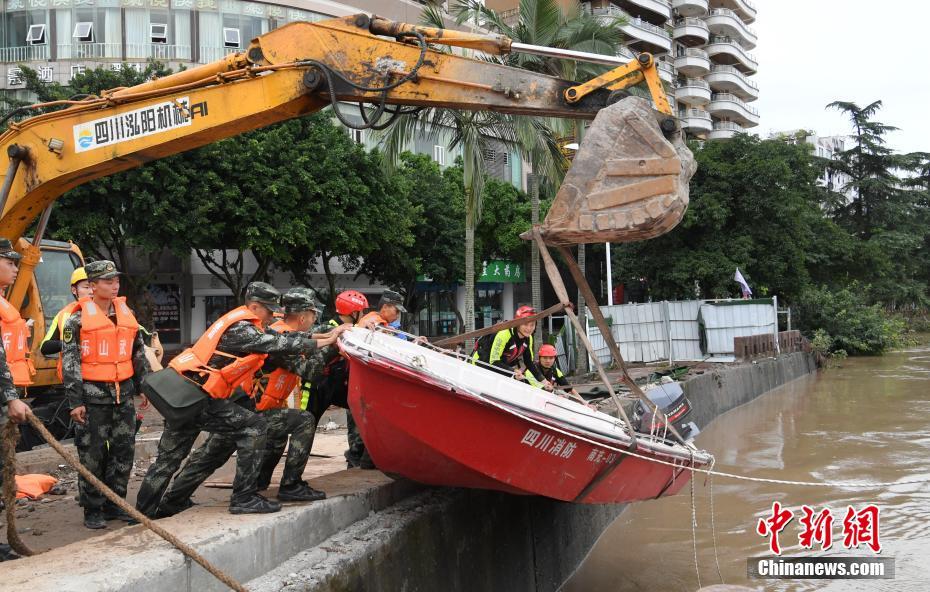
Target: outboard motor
671,400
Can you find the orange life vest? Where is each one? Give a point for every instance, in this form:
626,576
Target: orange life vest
106,348
15,334
281,383
373,315
220,383
61,318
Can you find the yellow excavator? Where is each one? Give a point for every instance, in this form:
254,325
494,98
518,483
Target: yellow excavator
628,180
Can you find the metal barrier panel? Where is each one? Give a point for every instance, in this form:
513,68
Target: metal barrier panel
728,319
650,332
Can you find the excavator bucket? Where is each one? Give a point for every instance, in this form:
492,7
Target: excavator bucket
627,181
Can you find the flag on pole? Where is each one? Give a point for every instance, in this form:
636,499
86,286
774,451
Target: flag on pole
744,286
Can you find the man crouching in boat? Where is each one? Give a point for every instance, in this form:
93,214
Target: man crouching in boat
512,346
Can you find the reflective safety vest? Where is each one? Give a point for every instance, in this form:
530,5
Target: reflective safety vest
379,320
221,382
106,348
58,325
281,383
15,334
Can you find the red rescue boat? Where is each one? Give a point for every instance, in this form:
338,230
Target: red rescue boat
433,418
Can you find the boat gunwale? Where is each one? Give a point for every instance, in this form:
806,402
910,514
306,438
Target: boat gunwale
676,452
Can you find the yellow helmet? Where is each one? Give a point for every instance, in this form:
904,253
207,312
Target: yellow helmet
78,275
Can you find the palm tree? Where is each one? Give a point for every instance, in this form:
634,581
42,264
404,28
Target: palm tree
544,22
541,22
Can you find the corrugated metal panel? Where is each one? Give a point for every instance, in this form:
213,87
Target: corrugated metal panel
723,323
643,331
686,337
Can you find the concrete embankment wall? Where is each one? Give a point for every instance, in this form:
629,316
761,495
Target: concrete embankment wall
460,540
374,534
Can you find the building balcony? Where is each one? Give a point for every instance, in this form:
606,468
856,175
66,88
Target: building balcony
27,53
653,11
667,71
731,107
744,8
691,31
692,62
646,36
695,121
724,130
693,91
726,23
690,7
729,79
726,51
212,54
643,35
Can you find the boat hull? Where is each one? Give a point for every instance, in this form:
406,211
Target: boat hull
424,430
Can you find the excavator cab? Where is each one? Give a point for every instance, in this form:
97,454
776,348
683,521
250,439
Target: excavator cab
48,292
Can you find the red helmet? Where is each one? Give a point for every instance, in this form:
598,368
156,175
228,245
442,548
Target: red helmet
350,301
524,311
547,351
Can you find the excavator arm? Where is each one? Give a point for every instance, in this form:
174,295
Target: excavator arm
303,67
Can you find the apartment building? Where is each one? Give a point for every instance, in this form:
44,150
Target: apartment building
704,54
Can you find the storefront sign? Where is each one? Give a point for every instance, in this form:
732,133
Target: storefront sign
501,271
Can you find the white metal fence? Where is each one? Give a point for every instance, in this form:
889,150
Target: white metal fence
687,330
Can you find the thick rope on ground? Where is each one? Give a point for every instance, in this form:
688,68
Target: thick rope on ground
123,505
10,437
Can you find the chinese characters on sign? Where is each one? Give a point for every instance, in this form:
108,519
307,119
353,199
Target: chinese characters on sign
501,271
137,123
14,76
859,527
558,447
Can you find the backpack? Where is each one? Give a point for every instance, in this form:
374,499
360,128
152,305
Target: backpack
482,349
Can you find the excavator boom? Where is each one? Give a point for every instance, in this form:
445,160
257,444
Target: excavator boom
303,67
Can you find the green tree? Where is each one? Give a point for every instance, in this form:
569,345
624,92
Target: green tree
551,24
438,232
885,206
349,208
756,205
109,217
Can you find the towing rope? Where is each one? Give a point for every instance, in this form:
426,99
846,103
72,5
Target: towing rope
10,436
9,493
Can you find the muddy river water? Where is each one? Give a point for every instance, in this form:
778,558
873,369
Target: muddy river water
868,420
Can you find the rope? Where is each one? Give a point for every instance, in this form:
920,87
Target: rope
713,528
9,468
10,436
697,569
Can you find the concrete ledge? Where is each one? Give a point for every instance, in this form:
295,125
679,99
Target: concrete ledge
376,534
136,560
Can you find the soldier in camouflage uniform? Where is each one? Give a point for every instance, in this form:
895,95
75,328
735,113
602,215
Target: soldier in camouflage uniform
300,310
11,406
225,419
103,362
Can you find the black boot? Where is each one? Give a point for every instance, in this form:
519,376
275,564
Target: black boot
299,492
6,553
254,504
113,512
93,519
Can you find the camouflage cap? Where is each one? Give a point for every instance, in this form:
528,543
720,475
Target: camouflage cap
265,294
300,300
7,251
101,270
392,297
